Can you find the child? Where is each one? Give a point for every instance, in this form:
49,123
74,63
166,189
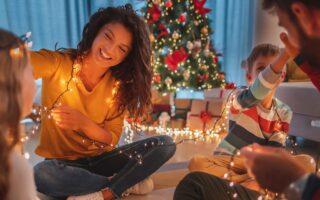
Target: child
255,116
17,90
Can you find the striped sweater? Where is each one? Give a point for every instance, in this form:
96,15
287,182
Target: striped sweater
250,122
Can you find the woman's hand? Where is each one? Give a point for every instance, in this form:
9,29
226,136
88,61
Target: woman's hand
68,118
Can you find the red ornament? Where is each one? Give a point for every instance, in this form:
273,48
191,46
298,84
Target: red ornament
155,13
230,86
206,76
174,59
215,59
200,78
205,116
157,78
182,18
163,31
169,4
199,6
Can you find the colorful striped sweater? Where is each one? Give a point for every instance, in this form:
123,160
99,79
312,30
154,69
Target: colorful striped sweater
250,122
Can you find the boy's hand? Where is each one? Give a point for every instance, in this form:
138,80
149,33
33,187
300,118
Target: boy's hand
291,50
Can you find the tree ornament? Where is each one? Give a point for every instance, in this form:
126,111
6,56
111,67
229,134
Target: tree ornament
182,18
152,38
204,67
157,78
168,4
175,35
189,45
206,52
204,30
186,75
168,81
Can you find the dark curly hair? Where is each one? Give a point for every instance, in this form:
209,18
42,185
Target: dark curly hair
134,73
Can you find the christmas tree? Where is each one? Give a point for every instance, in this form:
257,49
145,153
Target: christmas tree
182,50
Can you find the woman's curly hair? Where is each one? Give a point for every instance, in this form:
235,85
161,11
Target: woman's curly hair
134,73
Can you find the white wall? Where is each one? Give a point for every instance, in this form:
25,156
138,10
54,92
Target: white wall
266,27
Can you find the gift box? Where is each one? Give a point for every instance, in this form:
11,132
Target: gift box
204,113
217,93
220,93
178,123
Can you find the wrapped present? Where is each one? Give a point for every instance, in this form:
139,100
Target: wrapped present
217,93
220,93
178,123
203,114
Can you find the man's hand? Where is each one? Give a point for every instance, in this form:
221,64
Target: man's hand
290,48
273,168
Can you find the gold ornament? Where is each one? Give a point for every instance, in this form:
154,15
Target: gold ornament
175,35
204,30
152,38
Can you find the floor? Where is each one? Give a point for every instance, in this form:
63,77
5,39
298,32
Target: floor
169,175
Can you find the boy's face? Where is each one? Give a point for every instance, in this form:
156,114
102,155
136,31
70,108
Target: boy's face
258,66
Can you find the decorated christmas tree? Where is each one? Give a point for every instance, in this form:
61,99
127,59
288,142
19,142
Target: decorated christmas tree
183,53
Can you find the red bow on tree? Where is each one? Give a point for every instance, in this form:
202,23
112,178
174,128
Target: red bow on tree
199,6
155,13
163,31
173,60
205,116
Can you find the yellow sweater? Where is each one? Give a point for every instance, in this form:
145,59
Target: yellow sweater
55,70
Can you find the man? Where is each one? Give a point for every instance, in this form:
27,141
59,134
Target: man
301,18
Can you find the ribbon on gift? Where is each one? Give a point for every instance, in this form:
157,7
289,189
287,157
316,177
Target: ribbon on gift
205,116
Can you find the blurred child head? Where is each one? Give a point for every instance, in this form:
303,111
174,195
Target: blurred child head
260,57
17,90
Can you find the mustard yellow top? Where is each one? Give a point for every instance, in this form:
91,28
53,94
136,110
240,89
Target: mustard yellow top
55,70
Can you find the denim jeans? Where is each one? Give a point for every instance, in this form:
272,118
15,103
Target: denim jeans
62,178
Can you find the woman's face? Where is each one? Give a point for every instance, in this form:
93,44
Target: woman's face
28,89
111,45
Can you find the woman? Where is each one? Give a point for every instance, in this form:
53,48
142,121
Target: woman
89,91
17,90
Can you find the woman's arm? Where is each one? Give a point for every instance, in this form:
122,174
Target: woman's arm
71,119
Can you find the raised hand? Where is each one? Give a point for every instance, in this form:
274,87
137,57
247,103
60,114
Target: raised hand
290,48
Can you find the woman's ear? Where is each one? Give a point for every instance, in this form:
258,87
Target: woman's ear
305,17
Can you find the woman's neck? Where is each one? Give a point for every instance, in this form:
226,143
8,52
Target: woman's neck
91,69
91,73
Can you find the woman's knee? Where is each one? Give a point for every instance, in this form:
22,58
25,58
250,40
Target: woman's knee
44,172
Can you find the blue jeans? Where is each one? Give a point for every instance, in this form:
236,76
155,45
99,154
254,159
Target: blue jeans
62,178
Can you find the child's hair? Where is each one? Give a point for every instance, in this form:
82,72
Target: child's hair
13,60
257,51
134,73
